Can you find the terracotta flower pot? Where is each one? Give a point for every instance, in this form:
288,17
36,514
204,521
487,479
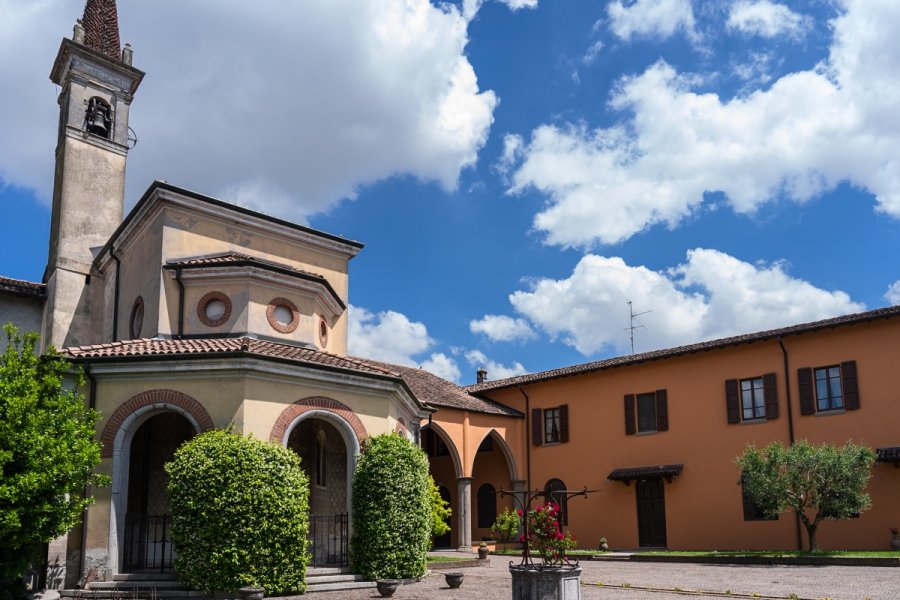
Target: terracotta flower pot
387,587
454,580
482,553
895,541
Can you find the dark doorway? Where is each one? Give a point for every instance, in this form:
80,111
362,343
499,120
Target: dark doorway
651,510
443,541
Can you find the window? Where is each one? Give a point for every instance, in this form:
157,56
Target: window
647,412
550,425
487,506
829,388
752,511
554,491
752,399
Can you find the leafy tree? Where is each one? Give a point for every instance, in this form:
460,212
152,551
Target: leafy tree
507,524
47,454
818,482
440,510
392,511
240,514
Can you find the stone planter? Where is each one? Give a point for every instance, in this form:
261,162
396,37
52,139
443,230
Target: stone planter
387,587
895,541
251,593
536,583
454,580
483,552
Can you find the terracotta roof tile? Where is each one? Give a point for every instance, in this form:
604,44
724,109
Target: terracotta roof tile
440,393
101,27
749,338
22,287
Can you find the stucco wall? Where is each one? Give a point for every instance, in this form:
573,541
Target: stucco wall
22,311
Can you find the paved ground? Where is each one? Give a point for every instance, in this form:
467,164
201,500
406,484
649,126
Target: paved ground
623,581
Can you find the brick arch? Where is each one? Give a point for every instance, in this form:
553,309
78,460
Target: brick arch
170,398
292,412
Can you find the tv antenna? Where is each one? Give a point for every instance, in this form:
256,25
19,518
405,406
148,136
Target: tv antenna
631,326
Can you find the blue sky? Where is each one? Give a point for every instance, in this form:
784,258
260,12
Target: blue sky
518,169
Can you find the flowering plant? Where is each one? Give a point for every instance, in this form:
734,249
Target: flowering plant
545,534
893,530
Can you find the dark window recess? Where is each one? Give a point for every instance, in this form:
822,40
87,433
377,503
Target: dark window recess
751,399
487,444
648,412
487,506
752,512
550,425
824,389
434,445
554,491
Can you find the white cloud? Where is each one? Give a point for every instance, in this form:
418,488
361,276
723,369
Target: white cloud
520,4
501,328
709,296
391,337
288,107
443,366
801,137
592,52
767,19
495,370
656,18
893,293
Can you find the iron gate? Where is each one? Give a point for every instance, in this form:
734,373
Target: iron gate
148,543
328,540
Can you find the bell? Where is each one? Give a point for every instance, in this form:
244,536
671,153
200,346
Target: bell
97,125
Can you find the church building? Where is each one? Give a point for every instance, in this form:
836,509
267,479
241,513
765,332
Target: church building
190,313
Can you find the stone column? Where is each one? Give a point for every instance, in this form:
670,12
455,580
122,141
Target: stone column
464,512
518,489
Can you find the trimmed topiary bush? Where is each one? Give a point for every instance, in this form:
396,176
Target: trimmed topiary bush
240,514
392,514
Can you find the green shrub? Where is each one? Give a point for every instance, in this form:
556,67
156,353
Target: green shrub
392,513
507,524
240,514
440,510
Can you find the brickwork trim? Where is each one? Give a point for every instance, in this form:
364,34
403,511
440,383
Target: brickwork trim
163,399
316,403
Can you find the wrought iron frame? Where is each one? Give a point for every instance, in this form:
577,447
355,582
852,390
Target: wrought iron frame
524,500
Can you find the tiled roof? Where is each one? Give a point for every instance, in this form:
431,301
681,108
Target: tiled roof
211,347
621,361
22,287
888,454
238,259
101,27
654,472
440,393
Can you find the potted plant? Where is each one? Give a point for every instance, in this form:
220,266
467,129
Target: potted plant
604,546
387,587
482,550
454,580
507,525
895,538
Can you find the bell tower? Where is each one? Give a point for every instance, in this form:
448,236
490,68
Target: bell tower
97,85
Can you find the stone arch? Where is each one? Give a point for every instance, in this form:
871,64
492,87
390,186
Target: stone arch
448,441
504,448
290,415
154,399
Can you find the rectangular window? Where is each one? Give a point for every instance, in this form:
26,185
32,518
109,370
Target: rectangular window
829,393
646,412
752,512
753,399
551,425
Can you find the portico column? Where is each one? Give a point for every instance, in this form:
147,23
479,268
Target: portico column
464,510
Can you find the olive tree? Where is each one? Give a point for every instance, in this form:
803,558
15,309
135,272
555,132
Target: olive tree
47,454
817,482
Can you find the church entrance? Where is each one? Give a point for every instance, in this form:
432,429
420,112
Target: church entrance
323,455
148,540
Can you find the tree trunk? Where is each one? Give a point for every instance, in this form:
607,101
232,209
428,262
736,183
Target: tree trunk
811,532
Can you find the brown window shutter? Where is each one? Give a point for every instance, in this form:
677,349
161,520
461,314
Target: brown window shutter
564,423
805,385
848,382
732,405
770,392
537,426
630,426
662,411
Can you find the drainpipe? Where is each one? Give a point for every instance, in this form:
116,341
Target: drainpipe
92,403
790,414
527,438
180,302
115,323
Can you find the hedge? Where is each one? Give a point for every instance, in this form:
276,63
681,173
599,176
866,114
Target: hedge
240,514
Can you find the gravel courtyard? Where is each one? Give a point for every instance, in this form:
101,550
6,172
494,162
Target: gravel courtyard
623,581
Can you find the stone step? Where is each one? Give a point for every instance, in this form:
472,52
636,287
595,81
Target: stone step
316,571
337,587
146,576
132,594
133,584
320,579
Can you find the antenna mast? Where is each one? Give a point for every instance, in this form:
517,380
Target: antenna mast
631,326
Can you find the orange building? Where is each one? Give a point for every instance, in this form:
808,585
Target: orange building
656,435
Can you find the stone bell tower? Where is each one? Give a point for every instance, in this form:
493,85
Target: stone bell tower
97,85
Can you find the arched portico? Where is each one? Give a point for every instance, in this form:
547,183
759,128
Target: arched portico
493,469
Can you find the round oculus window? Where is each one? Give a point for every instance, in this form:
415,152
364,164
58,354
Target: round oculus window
282,315
214,309
136,323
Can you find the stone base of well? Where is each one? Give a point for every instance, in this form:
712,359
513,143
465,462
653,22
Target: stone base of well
532,583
